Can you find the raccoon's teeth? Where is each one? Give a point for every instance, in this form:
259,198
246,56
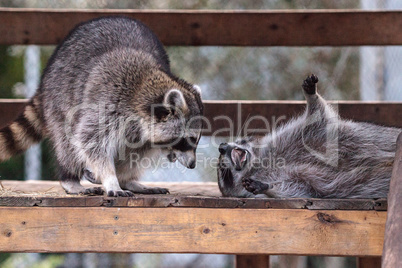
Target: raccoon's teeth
239,158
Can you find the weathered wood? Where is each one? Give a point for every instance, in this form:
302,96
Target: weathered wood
225,118
393,235
255,261
10,109
369,262
192,230
197,195
217,28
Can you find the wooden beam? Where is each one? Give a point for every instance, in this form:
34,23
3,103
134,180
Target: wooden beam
262,116
369,262
393,234
255,261
192,230
217,28
185,194
225,118
10,109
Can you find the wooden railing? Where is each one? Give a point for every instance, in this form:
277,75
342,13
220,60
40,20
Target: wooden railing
209,225
217,28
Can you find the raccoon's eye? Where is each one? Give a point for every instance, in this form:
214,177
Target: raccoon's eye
193,141
243,141
184,145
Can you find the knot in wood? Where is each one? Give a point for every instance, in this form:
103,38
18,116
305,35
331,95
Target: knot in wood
325,218
8,233
206,231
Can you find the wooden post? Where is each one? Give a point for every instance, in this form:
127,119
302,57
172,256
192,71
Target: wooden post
393,230
369,262
255,261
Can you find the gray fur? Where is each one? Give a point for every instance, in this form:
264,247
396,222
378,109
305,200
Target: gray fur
107,93
314,155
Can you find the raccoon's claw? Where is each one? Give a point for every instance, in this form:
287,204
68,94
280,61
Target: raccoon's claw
309,84
120,193
254,186
94,191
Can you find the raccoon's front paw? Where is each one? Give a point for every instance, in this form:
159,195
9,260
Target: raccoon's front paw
309,84
254,186
120,193
94,191
156,190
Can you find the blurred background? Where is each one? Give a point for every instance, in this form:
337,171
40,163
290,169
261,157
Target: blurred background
224,73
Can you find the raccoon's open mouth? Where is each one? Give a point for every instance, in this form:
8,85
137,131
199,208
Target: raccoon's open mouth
239,158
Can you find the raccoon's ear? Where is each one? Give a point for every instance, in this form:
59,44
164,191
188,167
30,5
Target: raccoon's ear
198,89
174,100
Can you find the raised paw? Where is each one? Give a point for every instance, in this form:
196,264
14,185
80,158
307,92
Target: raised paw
254,186
94,191
120,193
310,84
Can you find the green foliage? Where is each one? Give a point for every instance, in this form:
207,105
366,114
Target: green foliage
23,260
11,71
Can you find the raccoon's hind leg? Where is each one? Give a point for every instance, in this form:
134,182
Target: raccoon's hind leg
71,184
138,188
317,107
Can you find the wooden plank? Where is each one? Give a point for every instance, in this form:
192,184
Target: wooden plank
393,234
186,194
10,109
225,118
192,230
217,28
369,262
255,261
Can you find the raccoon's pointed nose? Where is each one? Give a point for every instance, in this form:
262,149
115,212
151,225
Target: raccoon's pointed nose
191,165
223,147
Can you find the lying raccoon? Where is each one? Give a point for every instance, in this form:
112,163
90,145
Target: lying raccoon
108,92
314,155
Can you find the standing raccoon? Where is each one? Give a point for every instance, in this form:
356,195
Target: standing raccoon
107,94
315,155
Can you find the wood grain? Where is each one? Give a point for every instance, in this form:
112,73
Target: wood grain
217,28
254,261
192,230
185,194
369,262
226,118
393,234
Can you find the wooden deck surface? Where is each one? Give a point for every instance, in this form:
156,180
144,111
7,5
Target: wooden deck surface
186,194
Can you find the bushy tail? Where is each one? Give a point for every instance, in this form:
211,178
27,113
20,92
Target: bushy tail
22,133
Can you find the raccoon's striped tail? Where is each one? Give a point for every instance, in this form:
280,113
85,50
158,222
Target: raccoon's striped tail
22,133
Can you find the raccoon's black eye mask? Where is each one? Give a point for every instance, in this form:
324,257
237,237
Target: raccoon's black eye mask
180,144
